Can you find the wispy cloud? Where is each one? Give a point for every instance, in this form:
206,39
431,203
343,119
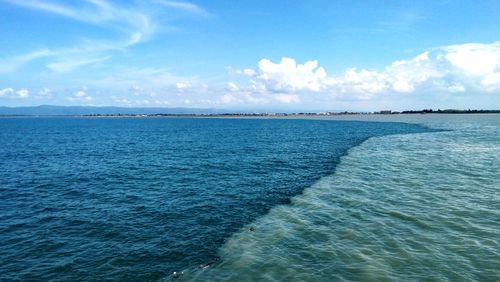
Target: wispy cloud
68,65
399,21
96,12
133,25
12,64
184,6
47,7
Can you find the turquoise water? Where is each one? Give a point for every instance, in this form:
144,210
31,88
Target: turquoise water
135,199
406,207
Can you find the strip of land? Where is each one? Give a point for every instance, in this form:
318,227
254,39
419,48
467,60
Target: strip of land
187,112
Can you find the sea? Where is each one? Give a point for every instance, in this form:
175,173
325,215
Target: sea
347,198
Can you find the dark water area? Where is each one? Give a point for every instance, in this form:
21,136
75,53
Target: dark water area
139,198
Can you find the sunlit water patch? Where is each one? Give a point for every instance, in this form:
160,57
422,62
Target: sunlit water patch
402,207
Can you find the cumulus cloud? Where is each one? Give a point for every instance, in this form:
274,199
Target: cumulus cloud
288,76
6,92
11,93
182,86
479,64
81,96
451,69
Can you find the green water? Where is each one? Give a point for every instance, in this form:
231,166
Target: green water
398,208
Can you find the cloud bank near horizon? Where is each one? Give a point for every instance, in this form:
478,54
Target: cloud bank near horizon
472,67
441,74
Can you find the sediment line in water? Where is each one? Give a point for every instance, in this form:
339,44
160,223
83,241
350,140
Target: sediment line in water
250,229
398,207
168,191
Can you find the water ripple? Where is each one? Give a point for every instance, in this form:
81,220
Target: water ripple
402,207
136,199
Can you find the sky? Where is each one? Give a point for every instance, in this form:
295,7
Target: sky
259,55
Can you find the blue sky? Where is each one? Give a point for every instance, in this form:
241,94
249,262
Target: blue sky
251,55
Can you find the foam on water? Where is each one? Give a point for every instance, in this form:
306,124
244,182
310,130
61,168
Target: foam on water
400,207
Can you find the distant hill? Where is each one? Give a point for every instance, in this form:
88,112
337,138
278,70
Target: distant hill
47,110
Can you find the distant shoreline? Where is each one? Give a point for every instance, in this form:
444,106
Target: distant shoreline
299,114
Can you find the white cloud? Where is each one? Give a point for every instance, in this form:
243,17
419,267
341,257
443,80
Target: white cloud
98,12
133,24
135,38
246,72
184,6
478,63
6,92
249,72
456,88
288,76
47,7
231,86
23,93
182,85
11,93
287,98
70,64
81,96
12,64
474,59
451,69
363,82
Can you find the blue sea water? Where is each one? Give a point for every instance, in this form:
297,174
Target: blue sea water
413,197
138,198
